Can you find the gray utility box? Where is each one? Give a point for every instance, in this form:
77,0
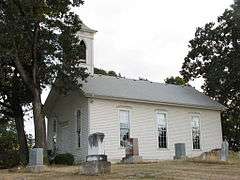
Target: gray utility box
180,151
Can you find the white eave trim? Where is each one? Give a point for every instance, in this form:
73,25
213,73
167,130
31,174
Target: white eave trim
154,102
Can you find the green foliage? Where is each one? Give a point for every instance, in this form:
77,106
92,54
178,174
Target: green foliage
39,42
46,28
30,141
9,160
9,156
66,159
112,73
143,79
14,95
106,73
215,56
176,80
100,71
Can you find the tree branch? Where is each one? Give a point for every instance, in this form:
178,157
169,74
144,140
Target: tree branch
27,80
34,53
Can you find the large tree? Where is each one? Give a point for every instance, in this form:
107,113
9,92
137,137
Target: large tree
13,96
40,38
215,56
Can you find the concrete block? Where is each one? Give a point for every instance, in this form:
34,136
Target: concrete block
180,152
36,160
224,151
93,168
132,159
36,156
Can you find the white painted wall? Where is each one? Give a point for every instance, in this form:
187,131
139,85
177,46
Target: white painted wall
104,118
65,112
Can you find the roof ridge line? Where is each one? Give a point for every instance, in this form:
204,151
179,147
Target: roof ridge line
139,80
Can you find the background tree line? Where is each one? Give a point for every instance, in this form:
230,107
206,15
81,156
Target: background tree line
214,55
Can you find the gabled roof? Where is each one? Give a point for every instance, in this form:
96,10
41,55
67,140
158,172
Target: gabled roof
109,87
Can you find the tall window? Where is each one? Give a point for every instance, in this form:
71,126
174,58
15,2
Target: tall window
196,132
54,133
162,130
124,117
54,126
82,52
79,128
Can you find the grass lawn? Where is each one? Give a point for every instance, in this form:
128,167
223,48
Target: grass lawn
161,170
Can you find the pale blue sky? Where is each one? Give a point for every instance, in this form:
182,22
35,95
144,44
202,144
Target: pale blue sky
146,39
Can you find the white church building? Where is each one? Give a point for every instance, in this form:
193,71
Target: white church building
158,115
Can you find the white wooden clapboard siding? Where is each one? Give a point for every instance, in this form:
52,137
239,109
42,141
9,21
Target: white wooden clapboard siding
100,115
65,112
103,117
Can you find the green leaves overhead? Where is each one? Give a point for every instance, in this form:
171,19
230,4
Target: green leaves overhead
38,44
56,42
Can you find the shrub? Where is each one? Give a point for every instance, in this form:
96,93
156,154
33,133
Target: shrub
9,160
66,159
9,155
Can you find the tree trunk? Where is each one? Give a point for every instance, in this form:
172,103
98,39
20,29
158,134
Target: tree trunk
22,140
39,122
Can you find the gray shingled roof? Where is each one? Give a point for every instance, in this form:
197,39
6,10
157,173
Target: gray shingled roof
138,90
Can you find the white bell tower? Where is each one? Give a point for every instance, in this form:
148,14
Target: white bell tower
86,36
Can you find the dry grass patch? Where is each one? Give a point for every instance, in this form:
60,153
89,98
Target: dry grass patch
161,170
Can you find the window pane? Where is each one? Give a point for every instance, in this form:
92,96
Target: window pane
195,121
82,53
54,125
162,130
124,117
196,132
124,127
79,127
78,120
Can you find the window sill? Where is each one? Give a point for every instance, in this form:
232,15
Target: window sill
196,150
162,149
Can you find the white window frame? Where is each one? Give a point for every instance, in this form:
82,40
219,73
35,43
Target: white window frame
119,127
156,122
200,129
77,135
